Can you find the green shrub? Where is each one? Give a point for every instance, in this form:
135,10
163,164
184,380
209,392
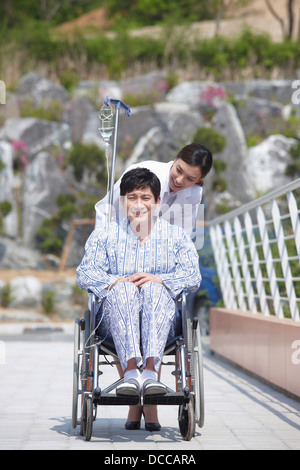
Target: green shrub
88,157
69,79
293,168
48,301
49,110
5,208
6,296
210,138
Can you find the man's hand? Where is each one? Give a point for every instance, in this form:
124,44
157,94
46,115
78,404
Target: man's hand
139,279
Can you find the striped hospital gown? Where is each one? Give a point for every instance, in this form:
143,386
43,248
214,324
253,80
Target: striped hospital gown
126,310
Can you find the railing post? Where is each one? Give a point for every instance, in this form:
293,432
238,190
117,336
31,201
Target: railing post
234,263
222,267
294,219
269,262
244,264
284,261
256,267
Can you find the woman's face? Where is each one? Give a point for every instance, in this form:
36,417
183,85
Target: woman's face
182,175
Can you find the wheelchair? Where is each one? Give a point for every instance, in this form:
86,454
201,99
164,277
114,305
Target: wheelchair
87,369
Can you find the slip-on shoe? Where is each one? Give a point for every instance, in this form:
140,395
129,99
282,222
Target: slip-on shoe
131,387
152,387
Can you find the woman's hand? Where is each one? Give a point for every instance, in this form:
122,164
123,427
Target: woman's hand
139,279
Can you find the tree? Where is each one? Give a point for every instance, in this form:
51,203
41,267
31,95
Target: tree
287,24
217,9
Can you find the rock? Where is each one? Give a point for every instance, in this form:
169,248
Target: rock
37,134
13,315
10,221
26,292
108,88
236,88
15,256
188,93
159,130
261,89
180,121
33,86
90,134
267,162
271,90
147,147
42,184
259,116
77,112
98,90
226,122
64,298
153,85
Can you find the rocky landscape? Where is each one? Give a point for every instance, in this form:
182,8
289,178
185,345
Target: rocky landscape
33,151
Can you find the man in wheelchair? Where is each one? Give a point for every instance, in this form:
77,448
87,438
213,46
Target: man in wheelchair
137,267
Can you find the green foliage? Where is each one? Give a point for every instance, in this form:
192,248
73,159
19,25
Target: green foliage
6,296
48,301
47,237
210,138
49,110
50,235
293,168
5,208
218,57
147,12
87,158
14,13
69,79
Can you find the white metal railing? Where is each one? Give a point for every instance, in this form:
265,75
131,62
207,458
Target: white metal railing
257,254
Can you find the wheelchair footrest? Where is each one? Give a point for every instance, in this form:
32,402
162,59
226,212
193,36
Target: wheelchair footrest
174,398
112,399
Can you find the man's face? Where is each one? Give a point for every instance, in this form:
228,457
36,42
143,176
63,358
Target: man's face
139,204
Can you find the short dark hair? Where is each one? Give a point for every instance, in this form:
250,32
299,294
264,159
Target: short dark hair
140,178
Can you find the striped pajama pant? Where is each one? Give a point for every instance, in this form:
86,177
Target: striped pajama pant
139,322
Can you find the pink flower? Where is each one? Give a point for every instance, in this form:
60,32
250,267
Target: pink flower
19,145
211,93
21,152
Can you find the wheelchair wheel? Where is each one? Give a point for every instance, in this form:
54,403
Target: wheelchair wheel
186,420
84,370
198,378
85,351
87,418
76,354
186,411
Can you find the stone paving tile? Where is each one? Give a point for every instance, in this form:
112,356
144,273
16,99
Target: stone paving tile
36,400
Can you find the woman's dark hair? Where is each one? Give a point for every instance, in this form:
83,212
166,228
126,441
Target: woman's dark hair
140,178
197,155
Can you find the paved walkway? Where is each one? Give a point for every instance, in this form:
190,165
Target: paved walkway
36,399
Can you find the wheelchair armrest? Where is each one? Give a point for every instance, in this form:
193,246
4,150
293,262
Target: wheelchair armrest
94,297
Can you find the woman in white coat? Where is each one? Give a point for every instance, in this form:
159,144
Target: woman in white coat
181,187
